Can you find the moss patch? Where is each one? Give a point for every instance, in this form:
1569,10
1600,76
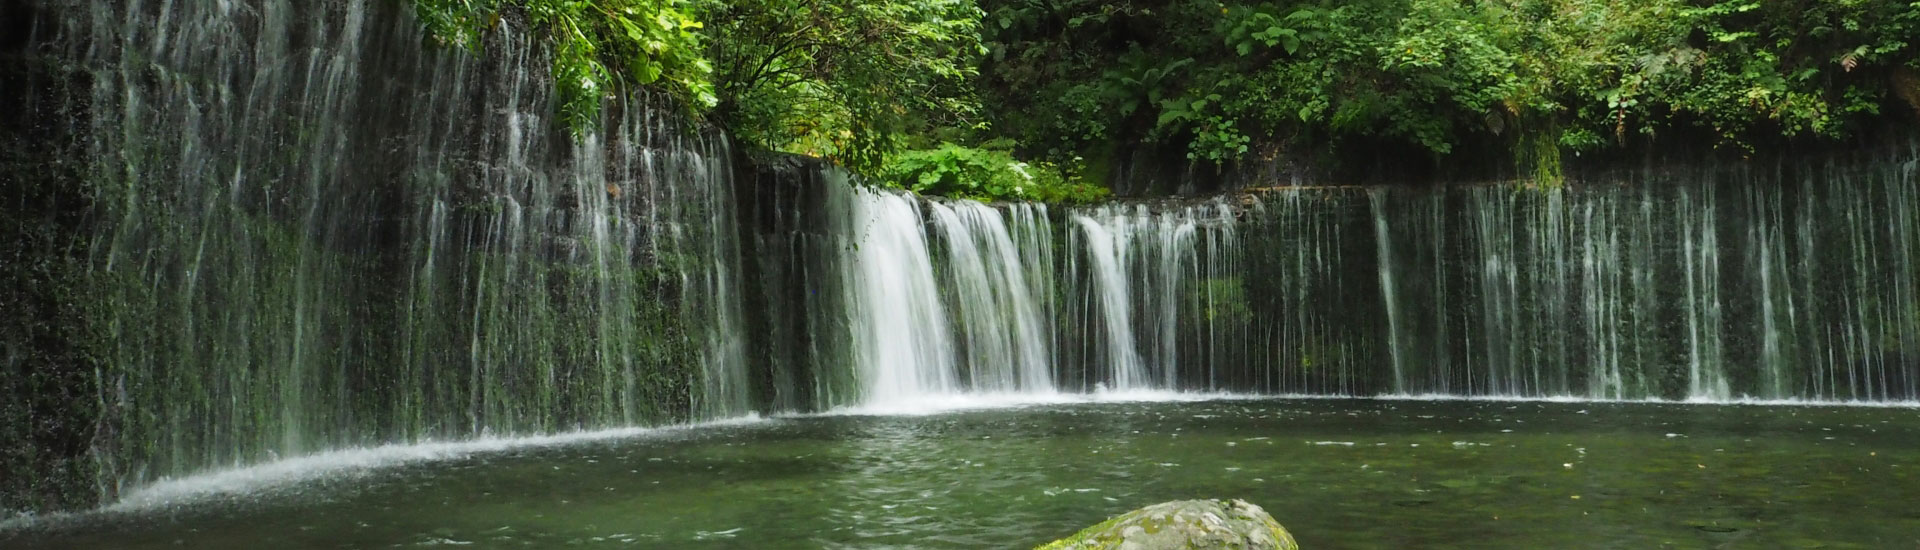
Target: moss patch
1184,524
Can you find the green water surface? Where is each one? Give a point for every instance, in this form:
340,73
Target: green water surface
1337,473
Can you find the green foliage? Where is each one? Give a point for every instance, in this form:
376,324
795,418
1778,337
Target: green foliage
1532,77
987,175
599,47
458,23
851,81
858,81
1789,69
1221,301
1249,28
847,80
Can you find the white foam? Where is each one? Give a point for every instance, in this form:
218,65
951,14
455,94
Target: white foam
280,474
1752,401
926,405
1909,404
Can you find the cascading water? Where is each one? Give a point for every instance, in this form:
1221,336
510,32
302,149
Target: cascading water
1710,288
1161,299
949,297
308,242
902,345
1008,346
1112,296
1388,291
1705,377
944,297
1725,286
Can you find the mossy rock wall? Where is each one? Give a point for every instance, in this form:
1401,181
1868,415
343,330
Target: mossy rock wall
48,344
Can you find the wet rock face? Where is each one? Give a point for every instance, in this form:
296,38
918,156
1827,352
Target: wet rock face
1184,524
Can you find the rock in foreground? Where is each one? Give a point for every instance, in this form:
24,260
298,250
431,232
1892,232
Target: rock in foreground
1184,524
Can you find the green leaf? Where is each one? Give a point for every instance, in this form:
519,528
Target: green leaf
645,70
931,178
633,31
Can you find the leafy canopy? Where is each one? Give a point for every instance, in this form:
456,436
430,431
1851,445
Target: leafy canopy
1531,77
843,79
598,46
850,80
890,86
858,82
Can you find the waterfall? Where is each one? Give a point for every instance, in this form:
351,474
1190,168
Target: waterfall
724,381
1793,282
1388,292
1163,293
1007,345
948,298
1106,257
316,231
902,345
1605,292
311,230
1706,379
951,297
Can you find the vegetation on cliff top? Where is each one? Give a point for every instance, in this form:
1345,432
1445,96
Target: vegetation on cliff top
876,86
987,173
1526,78
889,87
599,47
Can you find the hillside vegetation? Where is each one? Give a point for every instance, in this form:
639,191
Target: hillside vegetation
1031,98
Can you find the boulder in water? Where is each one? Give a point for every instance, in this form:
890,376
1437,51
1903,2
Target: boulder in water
1184,524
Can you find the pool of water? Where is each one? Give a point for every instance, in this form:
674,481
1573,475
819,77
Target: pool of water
1337,473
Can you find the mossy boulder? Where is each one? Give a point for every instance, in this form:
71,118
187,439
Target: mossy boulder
1184,524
